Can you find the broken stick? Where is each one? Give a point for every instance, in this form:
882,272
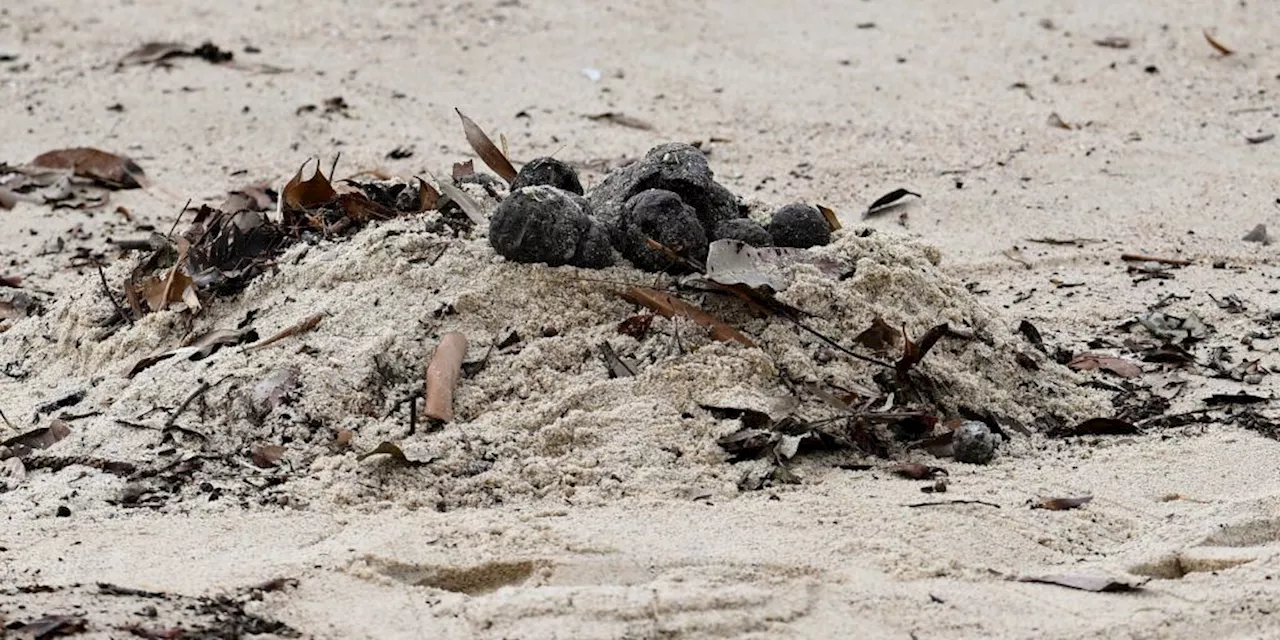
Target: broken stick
1137,257
442,375
307,324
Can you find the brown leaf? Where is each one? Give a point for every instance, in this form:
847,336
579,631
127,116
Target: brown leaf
342,439
160,292
463,169
621,119
41,438
360,208
637,326
397,455
916,471
1062,504
108,169
913,353
266,456
670,306
484,147
428,197
306,194
1104,427
879,336
1096,584
1118,366
302,326
833,220
1217,46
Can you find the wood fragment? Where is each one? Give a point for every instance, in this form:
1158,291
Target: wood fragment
939,503
1138,257
307,324
671,306
102,277
442,375
1217,46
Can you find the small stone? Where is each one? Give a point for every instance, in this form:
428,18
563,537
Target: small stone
744,229
549,172
64,511
663,216
974,443
800,226
550,225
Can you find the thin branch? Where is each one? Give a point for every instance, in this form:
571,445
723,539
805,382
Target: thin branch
102,277
947,502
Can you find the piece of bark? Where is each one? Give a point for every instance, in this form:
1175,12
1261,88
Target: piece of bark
442,375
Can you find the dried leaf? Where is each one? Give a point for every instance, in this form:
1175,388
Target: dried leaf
888,201
916,471
833,220
913,353
487,151
1113,42
1096,584
618,368
1217,46
463,169
879,336
306,194
428,197
107,169
1259,235
1104,427
207,344
303,326
1062,504
49,627
265,456
342,439
464,201
41,438
671,306
276,388
1094,361
637,326
397,455
153,52
1057,122
621,119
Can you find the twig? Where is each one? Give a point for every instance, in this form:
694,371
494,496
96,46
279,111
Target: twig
442,375
179,218
6,421
201,390
307,324
1138,257
946,502
102,277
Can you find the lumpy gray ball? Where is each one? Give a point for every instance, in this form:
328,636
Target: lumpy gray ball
744,229
546,224
800,226
548,172
663,216
974,443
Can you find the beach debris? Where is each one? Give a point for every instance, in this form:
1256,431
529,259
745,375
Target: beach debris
661,216
974,443
442,375
800,226
266,456
198,349
276,388
400,153
744,230
548,172
1054,120
879,337
548,225
23,444
226,248
618,367
670,306
1103,427
1260,138
833,220
733,262
1240,397
1061,504
160,53
103,168
916,471
302,326
309,193
676,167
1184,329
621,119
1082,582
888,201
914,352
637,326
342,439
1138,257
943,503
397,455
1258,235
484,147
1217,46
48,626
1111,364
1113,42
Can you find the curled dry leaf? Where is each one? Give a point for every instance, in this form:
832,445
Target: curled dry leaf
107,169
266,456
397,455
618,367
1094,361
1217,46
428,197
484,147
309,193
1061,504
1104,427
888,201
342,439
916,471
879,336
833,220
637,326
42,438
670,306
621,119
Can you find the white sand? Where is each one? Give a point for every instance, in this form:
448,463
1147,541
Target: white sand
588,528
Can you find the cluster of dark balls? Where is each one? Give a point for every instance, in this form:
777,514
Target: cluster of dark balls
670,195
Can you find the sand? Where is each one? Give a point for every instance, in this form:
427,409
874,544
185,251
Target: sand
562,510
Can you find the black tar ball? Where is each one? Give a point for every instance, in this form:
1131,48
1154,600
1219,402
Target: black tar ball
549,172
799,225
546,224
663,216
744,229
